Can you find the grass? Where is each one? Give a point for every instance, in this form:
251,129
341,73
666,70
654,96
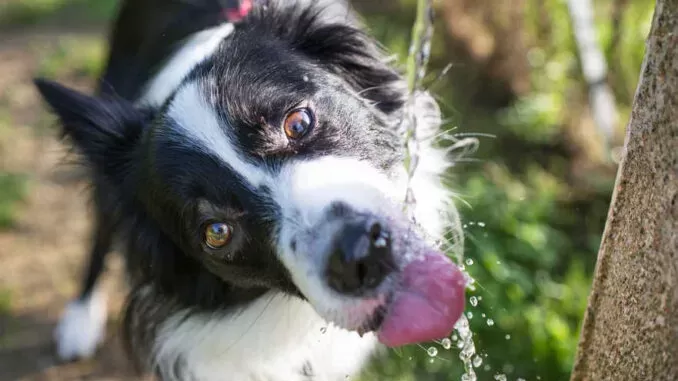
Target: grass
75,56
13,189
5,312
21,13
5,301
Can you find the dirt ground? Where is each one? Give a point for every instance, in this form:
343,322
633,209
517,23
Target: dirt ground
41,257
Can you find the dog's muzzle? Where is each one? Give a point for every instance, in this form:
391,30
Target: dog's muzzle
358,259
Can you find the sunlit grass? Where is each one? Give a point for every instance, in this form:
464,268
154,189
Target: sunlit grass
16,13
13,189
75,56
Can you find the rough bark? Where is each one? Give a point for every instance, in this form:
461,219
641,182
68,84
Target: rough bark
630,331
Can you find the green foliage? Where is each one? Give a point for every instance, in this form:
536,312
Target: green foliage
79,56
16,13
532,233
532,278
13,189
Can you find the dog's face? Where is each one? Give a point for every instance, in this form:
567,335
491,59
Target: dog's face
276,165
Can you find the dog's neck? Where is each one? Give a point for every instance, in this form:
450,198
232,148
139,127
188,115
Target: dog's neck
277,338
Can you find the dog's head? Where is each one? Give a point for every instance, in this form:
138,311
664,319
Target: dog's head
276,164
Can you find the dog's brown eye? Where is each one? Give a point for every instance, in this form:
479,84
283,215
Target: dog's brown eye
298,123
217,235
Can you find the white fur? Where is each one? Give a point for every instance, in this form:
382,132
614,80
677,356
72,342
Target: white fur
270,339
304,191
81,328
196,49
434,210
201,124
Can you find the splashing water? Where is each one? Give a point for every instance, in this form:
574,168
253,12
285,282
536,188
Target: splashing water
500,377
490,322
477,361
446,343
468,348
473,300
418,57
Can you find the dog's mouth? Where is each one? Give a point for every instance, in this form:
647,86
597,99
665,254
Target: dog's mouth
377,275
424,305
359,261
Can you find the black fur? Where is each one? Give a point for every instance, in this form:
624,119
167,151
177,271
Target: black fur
154,192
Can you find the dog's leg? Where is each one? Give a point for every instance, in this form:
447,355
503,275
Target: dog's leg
82,325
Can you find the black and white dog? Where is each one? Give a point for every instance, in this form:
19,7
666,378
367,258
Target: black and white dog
252,172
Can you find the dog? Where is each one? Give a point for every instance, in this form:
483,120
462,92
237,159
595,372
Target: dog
248,160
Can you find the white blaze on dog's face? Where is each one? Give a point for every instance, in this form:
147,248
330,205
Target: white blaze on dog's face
276,165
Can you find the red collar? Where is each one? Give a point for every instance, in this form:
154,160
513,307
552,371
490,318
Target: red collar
236,14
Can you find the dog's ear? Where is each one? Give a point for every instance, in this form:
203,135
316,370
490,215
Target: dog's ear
99,128
357,58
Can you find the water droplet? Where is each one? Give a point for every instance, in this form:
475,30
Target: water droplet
481,224
464,226
323,330
469,262
432,351
538,377
471,223
480,298
483,315
469,315
490,322
508,337
500,377
454,337
460,344
380,242
499,262
305,78
466,377
477,361
487,367
431,361
520,379
446,343
473,300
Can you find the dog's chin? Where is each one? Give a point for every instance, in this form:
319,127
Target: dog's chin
422,302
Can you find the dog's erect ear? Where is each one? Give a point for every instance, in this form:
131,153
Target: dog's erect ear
98,127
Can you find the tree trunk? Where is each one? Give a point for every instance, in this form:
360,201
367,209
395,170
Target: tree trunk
630,331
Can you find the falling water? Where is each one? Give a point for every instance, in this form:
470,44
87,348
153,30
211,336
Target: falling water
468,348
420,49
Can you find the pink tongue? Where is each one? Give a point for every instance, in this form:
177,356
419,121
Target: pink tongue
428,305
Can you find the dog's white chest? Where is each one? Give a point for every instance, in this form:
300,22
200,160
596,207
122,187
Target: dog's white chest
275,338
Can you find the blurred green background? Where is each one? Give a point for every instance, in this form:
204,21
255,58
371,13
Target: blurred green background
533,198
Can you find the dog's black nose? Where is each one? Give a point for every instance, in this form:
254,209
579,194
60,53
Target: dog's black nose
361,256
